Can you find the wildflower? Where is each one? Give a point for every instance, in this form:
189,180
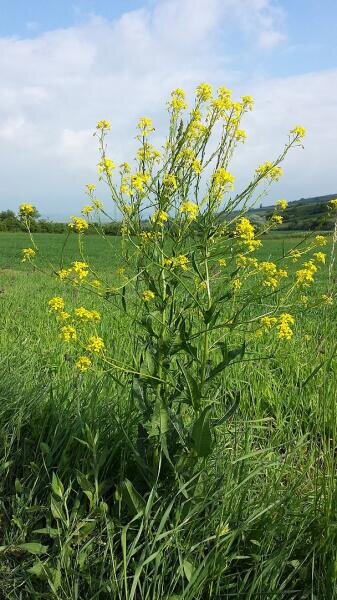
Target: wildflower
106,165
145,126
87,209
295,254
299,131
96,283
147,295
269,170
120,271
80,268
64,273
305,276
178,100
26,210
304,299
189,209
170,181
56,303
202,285
284,326
90,187
187,155
197,166
223,101
95,344
327,299
63,315
97,204
240,135
204,92
320,240
138,181
28,254
245,231
159,217
222,262
68,333
236,284
77,224
320,257
88,315
222,178
332,204
272,274
248,102
178,261
268,322
83,363
276,219
103,124
148,153
281,204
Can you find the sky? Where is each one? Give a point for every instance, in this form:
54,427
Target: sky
65,65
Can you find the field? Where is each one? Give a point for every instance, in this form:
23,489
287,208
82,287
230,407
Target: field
261,522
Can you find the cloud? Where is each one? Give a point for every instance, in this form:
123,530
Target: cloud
56,86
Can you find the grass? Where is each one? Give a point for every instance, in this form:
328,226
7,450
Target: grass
258,519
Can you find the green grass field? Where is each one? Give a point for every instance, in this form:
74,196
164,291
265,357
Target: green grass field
259,521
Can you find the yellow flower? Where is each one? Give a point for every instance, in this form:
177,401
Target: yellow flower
284,326
295,254
26,210
327,299
83,363
332,204
80,268
178,100
106,165
273,275
103,124
28,254
320,240
87,209
159,217
299,131
64,273
56,303
197,166
245,231
204,92
269,170
320,257
97,204
68,333
236,284
248,102
145,126
88,315
148,153
189,209
138,181
95,344
223,101
223,179
240,135
222,262
305,276
63,315
90,187
147,295
96,283
268,322
276,220
281,204
304,299
178,261
169,180
77,224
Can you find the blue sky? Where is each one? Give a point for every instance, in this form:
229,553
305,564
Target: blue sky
64,65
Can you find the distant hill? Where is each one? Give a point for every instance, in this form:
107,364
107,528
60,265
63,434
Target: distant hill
304,214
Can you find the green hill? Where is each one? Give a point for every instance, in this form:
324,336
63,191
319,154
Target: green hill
304,214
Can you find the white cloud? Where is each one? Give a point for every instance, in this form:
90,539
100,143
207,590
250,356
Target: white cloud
57,85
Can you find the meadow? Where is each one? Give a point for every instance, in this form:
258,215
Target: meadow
257,521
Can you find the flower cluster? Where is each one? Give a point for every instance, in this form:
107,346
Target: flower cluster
178,100
103,124
87,315
177,261
269,170
106,165
78,224
26,210
28,254
305,276
189,209
245,232
283,325
147,295
272,275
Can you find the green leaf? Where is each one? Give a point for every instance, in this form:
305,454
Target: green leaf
201,433
188,569
133,499
57,486
229,412
33,548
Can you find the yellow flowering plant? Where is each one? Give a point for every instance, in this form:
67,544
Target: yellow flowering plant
192,279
